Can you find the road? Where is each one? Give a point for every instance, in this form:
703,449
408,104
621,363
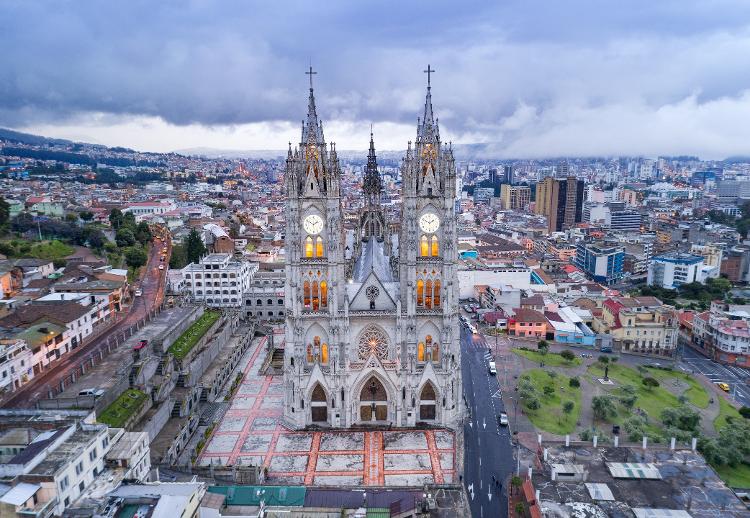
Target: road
152,285
488,450
736,377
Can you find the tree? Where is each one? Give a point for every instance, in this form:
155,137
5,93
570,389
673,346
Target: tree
178,259
548,390
568,407
603,407
533,404
650,383
4,212
515,483
567,355
745,412
135,256
116,218
552,375
574,382
86,215
195,249
604,360
634,427
520,509
682,418
96,239
71,217
542,344
143,233
628,396
124,238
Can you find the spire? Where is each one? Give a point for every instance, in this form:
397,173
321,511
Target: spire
372,184
427,127
312,129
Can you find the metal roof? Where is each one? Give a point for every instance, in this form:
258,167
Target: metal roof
634,470
600,492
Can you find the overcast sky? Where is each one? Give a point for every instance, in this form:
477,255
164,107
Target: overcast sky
535,78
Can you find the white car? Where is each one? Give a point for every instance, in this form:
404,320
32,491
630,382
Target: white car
161,266
503,419
493,369
138,293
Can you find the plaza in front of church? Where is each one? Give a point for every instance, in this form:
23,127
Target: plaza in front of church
251,433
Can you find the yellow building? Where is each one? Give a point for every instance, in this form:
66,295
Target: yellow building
515,197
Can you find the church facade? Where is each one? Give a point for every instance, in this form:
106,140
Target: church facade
372,333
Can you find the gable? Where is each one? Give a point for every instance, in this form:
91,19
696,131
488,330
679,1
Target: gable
361,301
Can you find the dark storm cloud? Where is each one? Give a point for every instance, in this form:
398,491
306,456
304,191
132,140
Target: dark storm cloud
505,69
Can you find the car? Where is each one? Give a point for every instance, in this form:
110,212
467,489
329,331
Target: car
161,266
502,419
723,386
138,293
96,392
141,345
493,369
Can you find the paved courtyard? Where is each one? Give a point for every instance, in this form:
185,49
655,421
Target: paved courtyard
251,433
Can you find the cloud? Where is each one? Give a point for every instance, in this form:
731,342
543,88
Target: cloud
535,78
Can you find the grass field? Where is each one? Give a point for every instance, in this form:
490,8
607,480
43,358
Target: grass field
51,250
725,410
550,417
696,394
738,477
187,340
125,406
549,359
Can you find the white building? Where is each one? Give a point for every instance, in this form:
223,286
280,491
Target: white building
219,280
16,364
144,209
671,270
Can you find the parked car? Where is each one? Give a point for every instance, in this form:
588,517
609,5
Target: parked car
161,266
502,419
493,369
96,392
138,293
141,345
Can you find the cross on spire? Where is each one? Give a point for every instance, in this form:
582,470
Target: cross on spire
429,71
311,73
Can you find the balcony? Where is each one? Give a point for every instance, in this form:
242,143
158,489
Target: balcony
40,510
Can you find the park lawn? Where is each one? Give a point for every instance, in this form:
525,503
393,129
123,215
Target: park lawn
187,340
737,477
550,417
50,250
124,407
725,410
650,401
697,395
549,359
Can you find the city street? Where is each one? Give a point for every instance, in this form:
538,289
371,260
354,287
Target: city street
152,285
736,377
488,448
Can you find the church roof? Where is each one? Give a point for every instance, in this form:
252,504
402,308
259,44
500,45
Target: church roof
372,259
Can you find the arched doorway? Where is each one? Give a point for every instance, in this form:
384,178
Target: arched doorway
427,405
373,401
319,405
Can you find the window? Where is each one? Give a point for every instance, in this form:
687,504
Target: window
79,468
105,442
92,455
64,483
424,248
319,247
435,248
308,247
81,486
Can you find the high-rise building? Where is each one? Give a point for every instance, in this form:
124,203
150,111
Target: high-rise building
509,174
602,262
561,201
373,339
515,197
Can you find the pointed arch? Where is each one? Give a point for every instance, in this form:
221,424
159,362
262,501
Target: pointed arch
424,247
428,294
435,249
436,295
427,402
323,294
324,354
308,247
319,247
373,400
420,352
306,294
420,292
315,296
318,404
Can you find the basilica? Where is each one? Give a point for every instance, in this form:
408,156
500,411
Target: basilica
372,333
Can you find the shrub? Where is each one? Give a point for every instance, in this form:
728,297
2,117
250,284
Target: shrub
603,407
650,383
567,355
574,382
745,412
548,391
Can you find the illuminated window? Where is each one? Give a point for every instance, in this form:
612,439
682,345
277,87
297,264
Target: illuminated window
309,353
436,353
420,352
435,248
319,247
428,294
420,292
315,296
324,353
323,294
424,249
308,247
306,292
436,296
428,343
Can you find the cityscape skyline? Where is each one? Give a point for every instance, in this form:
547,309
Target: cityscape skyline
577,80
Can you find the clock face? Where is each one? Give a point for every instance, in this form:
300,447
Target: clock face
429,222
313,224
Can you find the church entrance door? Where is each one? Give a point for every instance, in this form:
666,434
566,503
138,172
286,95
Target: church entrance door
373,402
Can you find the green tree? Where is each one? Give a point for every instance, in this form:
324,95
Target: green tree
628,396
4,212
86,215
124,237
142,233
135,256
650,383
533,404
574,382
178,259
520,509
568,407
682,418
195,249
634,427
604,360
548,390
515,483
745,412
567,355
96,239
542,344
116,218
603,407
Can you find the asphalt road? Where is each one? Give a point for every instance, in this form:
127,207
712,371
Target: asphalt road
736,377
487,446
152,285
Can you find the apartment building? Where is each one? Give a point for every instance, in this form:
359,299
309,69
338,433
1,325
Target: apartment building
515,197
723,333
561,201
219,280
641,325
16,364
